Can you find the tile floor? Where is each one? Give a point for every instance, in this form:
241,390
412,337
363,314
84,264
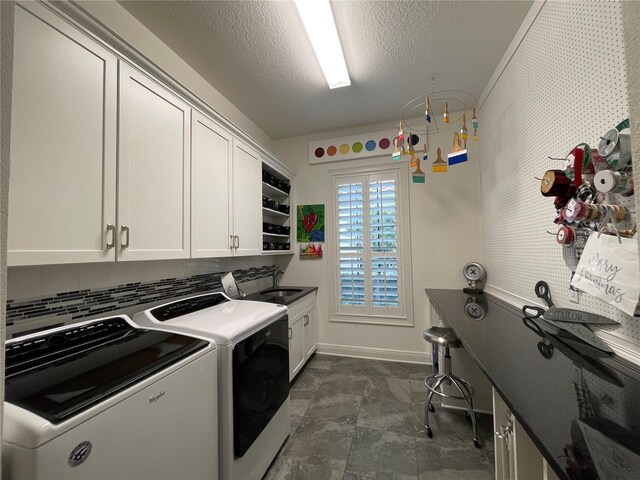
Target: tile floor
357,419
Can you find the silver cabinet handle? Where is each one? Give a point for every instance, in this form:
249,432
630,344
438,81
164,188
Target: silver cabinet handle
124,229
290,333
111,228
306,320
237,242
231,243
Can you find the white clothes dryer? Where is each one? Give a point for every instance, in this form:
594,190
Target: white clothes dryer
253,374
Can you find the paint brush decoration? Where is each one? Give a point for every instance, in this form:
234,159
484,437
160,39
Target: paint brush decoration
411,141
439,166
427,110
401,138
474,124
464,133
446,112
398,144
418,175
396,155
458,154
425,155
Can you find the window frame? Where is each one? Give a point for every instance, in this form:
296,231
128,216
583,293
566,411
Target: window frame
342,313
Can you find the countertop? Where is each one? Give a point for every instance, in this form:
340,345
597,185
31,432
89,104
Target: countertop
580,406
288,300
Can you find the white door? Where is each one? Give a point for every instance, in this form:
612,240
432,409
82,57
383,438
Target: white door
63,143
247,203
211,151
153,170
310,335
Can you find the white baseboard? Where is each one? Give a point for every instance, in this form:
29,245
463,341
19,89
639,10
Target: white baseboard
375,353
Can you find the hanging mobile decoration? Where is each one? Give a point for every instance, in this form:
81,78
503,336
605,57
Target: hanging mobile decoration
411,141
464,134
425,155
396,155
439,166
418,175
427,110
446,112
458,154
474,124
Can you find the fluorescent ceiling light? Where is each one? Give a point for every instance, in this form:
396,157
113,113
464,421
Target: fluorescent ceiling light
317,18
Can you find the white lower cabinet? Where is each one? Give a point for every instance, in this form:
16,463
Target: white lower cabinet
302,332
516,456
296,348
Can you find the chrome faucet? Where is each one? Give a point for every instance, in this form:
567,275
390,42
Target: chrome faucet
276,276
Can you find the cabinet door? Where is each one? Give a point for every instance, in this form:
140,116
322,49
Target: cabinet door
63,143
310,332
247,202
211,150
153,170
296,345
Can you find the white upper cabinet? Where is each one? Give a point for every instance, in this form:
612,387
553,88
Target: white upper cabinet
102,156
211,154
63,143
153,170
246,203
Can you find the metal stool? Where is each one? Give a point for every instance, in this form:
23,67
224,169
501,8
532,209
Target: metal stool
444,337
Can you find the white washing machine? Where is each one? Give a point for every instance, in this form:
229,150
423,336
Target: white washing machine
104,399
253,374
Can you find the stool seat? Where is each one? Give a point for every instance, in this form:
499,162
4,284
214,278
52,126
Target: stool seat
442,336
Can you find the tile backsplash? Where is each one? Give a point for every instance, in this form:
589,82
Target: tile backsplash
48,295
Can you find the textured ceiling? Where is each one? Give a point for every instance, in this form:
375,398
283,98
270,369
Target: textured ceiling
257,54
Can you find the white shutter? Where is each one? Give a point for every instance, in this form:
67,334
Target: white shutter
368,245
351,232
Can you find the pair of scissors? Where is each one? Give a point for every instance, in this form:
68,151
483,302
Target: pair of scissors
542,291
544,346
576,329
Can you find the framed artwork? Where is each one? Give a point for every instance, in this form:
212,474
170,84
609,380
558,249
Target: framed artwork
310,223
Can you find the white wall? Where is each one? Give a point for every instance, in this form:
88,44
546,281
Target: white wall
631,27
446,227
6,79
562,82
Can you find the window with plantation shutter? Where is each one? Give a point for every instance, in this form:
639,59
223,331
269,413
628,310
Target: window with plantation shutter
368,252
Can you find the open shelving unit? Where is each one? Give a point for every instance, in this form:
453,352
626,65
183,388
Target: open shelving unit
276,212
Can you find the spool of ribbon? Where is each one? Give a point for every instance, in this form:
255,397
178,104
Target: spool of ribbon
608,181
566,236
555,183
575,211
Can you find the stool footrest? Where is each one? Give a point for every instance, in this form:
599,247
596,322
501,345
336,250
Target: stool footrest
432,382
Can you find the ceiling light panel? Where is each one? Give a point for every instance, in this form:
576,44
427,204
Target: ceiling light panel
318,20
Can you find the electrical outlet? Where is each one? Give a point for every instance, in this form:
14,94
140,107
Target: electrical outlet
574,295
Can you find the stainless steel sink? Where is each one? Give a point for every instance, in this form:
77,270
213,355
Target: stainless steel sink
281,292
